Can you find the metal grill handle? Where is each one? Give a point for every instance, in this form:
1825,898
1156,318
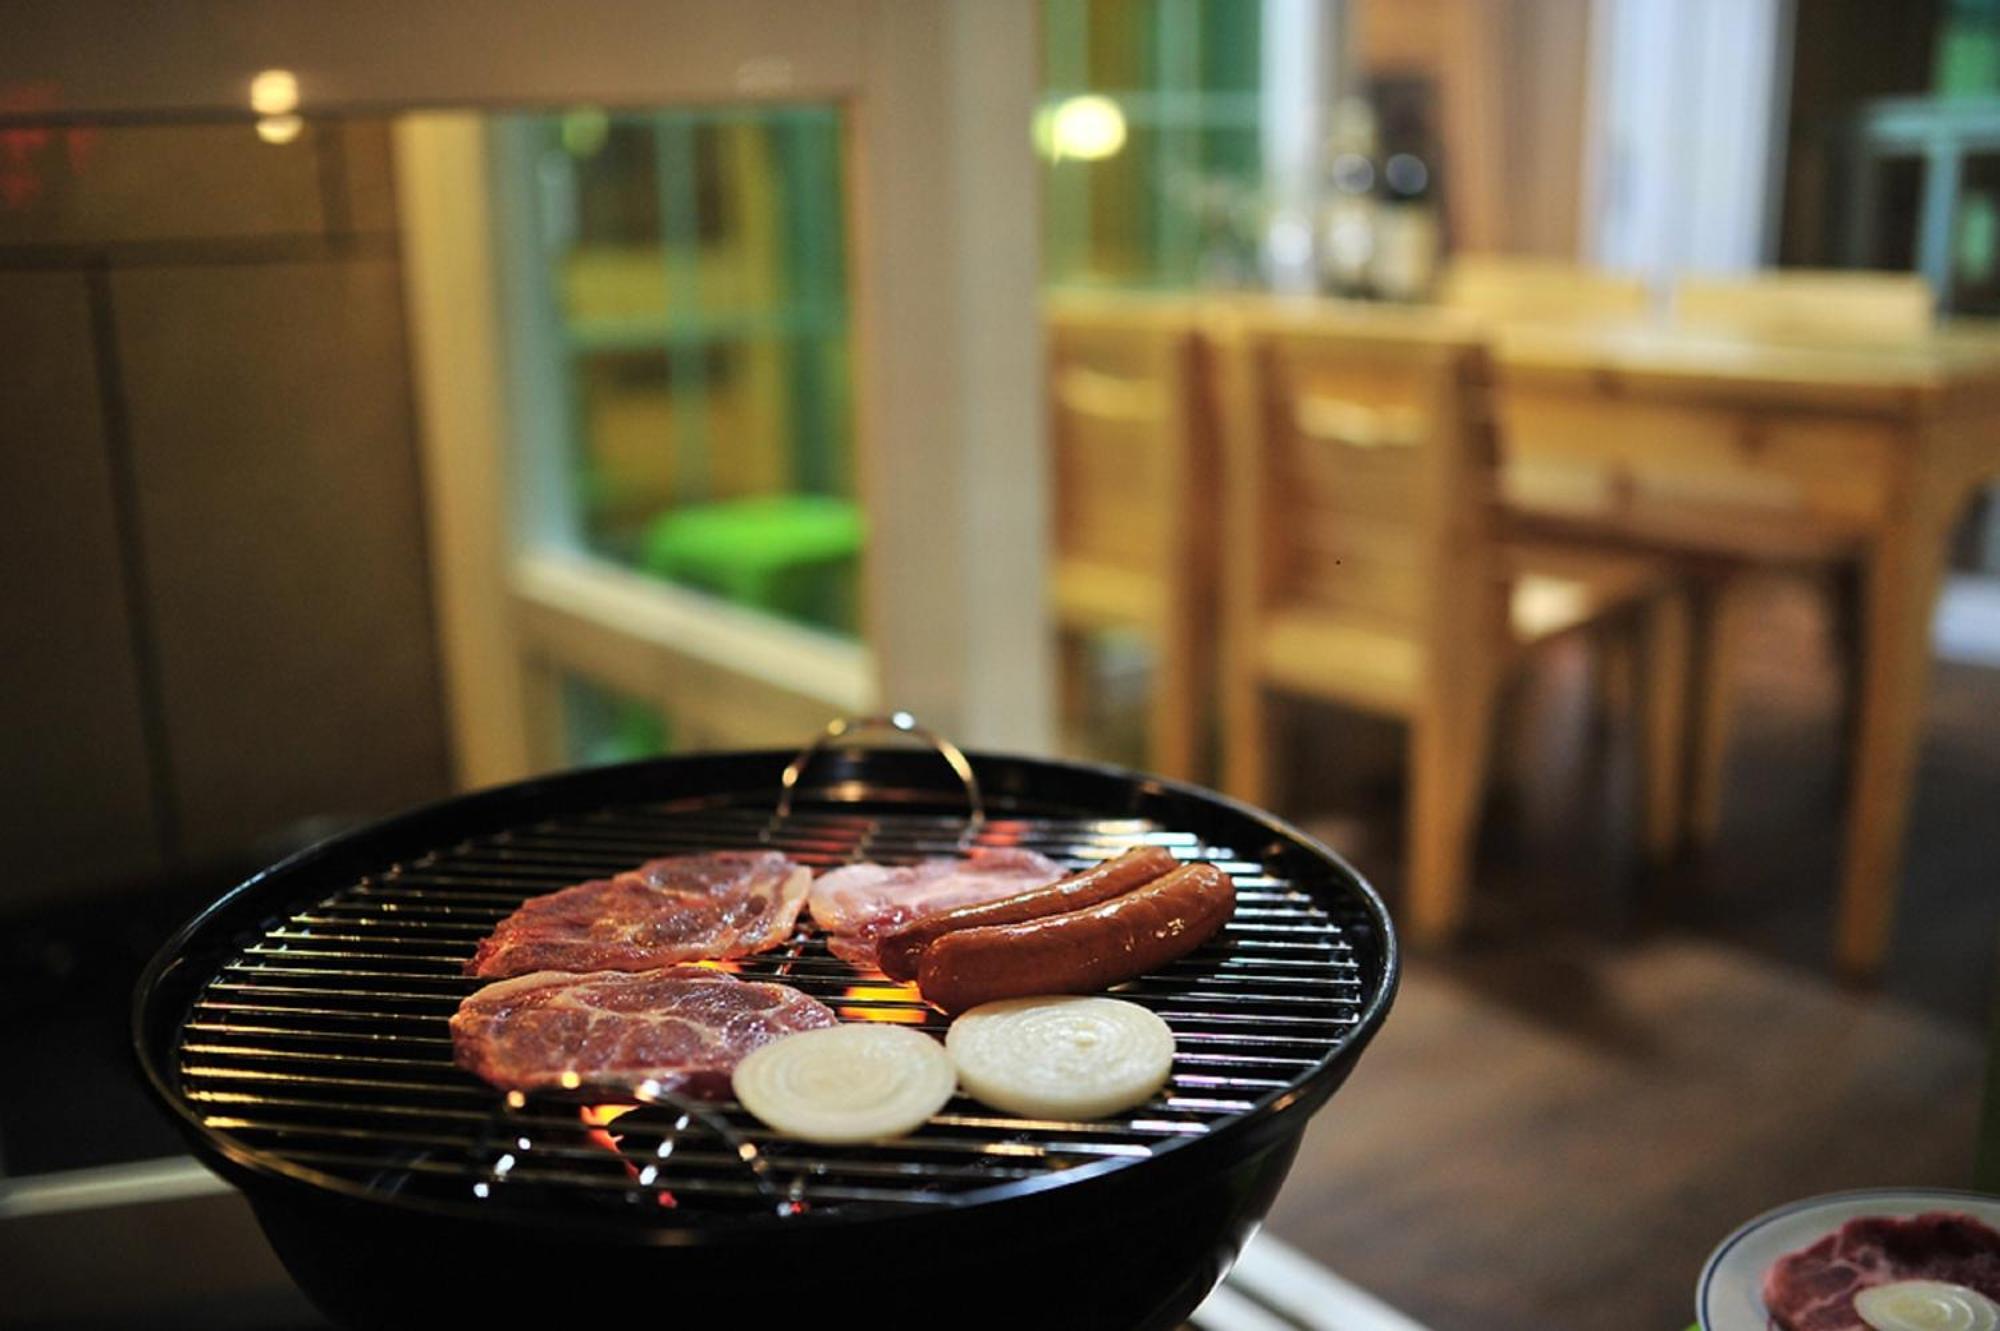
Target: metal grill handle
842,726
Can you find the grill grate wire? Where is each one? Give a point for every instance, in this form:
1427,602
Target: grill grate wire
323,1042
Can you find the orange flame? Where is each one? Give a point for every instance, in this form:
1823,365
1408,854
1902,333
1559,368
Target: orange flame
603,1116
596,1119
886,992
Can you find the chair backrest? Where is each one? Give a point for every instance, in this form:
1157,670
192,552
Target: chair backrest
1125,430
1497,286
1360,460
1809,303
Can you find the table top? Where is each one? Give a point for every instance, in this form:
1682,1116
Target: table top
1888,374
1889,370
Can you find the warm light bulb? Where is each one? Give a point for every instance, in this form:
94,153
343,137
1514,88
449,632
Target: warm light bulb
274,92
1089,128
279,129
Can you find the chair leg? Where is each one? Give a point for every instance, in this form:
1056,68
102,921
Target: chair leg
1175,722
1073,661
1844,613
1449,749
1246,759
1718,638
1616,672
1665,674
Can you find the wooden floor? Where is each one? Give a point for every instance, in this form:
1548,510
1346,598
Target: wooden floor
1558,1138
1560,1120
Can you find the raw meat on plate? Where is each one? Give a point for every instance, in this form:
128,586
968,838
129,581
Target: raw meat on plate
1814,1288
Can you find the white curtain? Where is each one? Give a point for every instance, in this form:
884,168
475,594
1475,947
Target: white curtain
1300,69
1685,142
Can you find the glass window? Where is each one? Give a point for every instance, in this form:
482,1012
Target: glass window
1107,703
682,347
600,725
1975,257
1148,128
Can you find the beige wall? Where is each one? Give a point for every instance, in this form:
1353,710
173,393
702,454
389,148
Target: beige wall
76,800
1511,87
944,256
215,620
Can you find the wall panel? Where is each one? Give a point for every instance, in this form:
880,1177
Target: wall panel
76,802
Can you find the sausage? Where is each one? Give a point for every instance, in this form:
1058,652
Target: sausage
897,953
1080,951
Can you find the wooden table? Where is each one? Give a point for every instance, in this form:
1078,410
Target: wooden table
1782,452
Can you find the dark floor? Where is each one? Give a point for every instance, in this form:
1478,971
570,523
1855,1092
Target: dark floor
1559,1136
72,1098
66,980
1562,1119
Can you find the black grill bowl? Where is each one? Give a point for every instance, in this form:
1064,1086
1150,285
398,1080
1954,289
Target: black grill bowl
296,1033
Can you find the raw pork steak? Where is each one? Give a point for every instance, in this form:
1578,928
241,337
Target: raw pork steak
685,1027
860,903
1813,1289
688,908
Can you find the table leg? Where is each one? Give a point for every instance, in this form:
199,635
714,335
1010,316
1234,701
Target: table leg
1074,684
1986,1162
1176,706
1718,652
1246,756
1668,647
1901,581
1451,739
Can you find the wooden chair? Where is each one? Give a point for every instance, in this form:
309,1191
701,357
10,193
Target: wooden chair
1363,564
1134,504
1808,304
1511,287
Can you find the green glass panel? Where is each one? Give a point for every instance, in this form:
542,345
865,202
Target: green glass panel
691,268
1175,204
1231,47
1967,62
625,468
611,260
1124,43
601,725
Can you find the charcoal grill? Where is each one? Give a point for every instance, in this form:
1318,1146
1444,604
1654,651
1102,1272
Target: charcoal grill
296,1031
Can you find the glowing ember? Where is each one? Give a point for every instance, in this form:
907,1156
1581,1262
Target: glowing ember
1003,832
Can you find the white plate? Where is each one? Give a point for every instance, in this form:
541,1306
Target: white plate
1730,1294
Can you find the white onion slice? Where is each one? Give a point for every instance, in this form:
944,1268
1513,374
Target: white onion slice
1061,1057
853,1083
1926,1305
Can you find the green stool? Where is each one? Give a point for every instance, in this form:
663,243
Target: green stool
796,556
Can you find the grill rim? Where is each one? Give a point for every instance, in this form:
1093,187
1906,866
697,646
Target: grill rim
859,778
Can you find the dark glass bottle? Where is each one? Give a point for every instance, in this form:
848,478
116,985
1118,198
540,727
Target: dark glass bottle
1408,226
1348,210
